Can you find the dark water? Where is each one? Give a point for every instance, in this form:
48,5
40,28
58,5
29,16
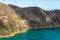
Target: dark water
37,34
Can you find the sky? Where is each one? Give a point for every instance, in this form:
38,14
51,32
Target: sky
44,4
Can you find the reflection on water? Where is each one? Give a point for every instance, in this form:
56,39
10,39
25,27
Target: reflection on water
37,34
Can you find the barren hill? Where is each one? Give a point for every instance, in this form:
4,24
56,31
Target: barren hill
10,22
37,17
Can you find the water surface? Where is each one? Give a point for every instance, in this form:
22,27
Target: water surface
37,34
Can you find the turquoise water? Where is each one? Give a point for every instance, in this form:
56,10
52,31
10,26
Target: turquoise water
37,34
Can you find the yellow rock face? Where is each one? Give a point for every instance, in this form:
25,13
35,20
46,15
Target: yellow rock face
10,22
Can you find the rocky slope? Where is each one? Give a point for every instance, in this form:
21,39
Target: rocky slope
37,17
10,22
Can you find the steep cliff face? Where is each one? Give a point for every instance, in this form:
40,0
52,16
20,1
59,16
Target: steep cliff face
39,18
10,22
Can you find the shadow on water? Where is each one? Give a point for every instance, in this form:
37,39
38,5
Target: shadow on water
37,34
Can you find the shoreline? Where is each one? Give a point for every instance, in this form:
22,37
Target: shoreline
17,32
12,34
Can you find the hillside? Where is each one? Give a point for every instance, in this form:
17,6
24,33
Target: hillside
37,17
10,22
